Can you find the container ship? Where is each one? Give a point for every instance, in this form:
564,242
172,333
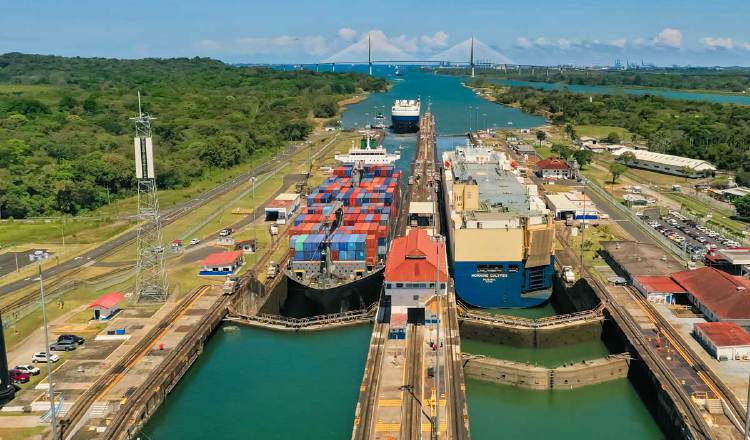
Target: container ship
405,116
369,152
501,235
339,243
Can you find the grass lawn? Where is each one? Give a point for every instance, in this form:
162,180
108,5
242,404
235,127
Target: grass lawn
20,433
601,131
51,231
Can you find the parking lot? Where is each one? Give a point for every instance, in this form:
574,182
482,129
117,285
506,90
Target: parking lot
693,237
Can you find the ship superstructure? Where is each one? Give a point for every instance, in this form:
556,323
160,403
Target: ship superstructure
405,115
501,235
369,152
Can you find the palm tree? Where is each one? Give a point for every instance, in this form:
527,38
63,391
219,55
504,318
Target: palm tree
540,135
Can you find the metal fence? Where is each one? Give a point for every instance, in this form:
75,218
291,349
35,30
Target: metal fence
665,242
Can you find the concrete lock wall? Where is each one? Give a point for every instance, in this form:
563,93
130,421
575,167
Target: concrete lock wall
539,378
516,336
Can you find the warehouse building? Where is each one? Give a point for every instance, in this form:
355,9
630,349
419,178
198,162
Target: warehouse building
281,208
724,340
222,263
554,168
658,289
574,204
667,163
717,294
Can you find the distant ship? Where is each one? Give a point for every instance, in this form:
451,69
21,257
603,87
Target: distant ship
501,235
368,153
397,72
379,121
405,115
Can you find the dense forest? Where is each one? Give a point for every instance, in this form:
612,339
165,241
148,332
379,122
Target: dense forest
727,80
716,132
66,137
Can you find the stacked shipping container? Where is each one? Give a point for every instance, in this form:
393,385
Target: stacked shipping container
368,212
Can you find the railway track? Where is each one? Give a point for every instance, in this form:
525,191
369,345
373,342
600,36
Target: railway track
83,403
365,425
411,416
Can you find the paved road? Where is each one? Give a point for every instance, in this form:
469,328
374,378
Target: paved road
168,216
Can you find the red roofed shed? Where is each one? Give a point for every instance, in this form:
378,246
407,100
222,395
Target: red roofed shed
718,295
724,340
107,305
414,263
658,289
222,263
554,168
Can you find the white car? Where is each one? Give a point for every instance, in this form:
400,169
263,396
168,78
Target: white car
28,369
194,241
42,357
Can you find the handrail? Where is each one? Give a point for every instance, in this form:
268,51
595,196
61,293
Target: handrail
288,322
595,313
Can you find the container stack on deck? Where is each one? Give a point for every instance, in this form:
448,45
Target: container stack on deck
355,219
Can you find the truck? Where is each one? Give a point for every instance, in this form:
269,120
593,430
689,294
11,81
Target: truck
568,275
272,271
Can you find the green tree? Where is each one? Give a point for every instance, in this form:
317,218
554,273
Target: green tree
742,204
583,157
324,109
67,103
563,151
613,138
90,105
616,170
541,136
686,171
571,132
627,157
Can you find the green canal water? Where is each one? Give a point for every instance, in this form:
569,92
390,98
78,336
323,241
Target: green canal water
258,384
668,94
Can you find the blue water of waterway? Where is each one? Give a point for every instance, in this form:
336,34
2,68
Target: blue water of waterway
669,94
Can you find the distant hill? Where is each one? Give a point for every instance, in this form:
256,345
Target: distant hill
66,137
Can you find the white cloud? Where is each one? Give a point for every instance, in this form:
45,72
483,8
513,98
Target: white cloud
620,42
717,43
745,46
540,41
347,34
523,42
408,44
287,44
669,37
438,39
564,43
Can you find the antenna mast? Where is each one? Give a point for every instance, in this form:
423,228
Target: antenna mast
471,56
151,273
369,52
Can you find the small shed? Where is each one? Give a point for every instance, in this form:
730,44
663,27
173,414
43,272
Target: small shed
176,245
221,264
246,246
282,207
107,305
658,289
724,340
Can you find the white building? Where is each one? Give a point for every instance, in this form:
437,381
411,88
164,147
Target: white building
578,205
282,207
666,163
724,340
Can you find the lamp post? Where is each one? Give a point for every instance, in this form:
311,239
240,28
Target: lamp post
53,416
433,422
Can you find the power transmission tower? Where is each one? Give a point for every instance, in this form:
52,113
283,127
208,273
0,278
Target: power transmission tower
151,273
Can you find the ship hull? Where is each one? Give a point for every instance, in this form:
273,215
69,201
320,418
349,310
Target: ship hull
405,124
304,300
513,287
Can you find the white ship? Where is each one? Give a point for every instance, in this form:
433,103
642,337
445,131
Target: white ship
368,153
405,115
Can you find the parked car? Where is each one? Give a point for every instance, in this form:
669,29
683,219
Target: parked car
28,369
17,376
194,241
70,339
618,281
42,357
63,346
225,232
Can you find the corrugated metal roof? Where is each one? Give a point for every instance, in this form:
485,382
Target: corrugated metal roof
666,159
108,300
724,334
220,258
659,284
727,296
414,258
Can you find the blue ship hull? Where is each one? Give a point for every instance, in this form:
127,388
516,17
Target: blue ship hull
405,124
513,287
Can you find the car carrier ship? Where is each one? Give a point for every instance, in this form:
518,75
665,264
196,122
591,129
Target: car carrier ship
405,115
500,233
339,243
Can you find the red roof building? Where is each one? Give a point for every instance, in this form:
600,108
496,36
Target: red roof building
554,168
719,295
724,340
658,289
107,305
415,258
414,263
222,263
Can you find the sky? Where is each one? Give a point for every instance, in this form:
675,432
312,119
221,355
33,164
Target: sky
551,32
